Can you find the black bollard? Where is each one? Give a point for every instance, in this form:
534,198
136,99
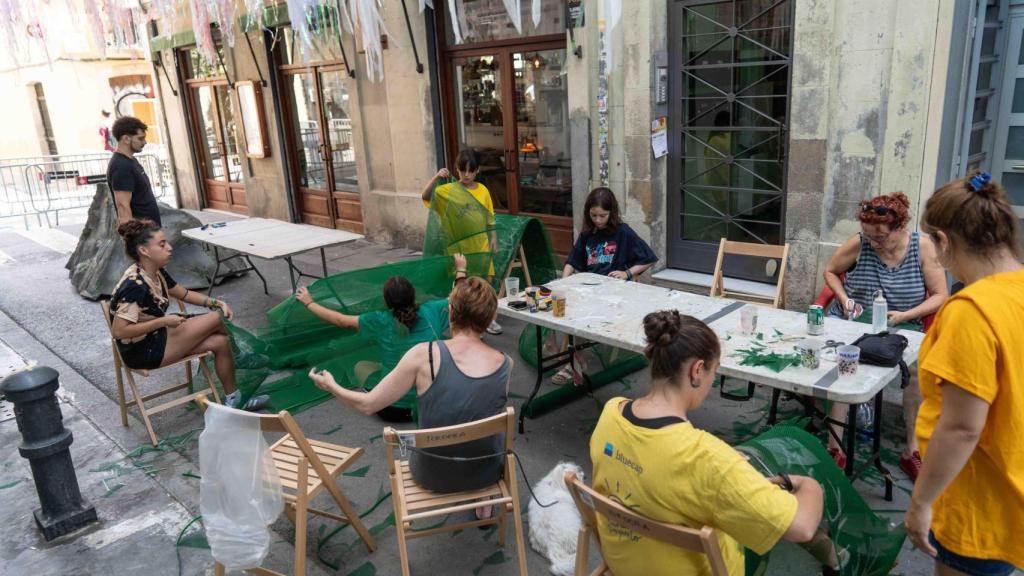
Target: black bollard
45,444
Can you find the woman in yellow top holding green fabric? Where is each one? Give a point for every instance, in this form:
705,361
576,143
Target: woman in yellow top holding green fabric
647,456
967,509
467,220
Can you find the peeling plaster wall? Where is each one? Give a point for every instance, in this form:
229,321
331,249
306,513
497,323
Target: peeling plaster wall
860,111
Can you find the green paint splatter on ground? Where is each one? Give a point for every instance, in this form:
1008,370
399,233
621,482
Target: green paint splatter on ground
432,526
778,332
358,473
384,525
367,569
112,489
332,430
489,531
456,532
494,559
375,438
9,485
191,474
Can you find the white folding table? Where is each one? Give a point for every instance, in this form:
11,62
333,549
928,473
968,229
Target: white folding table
268,239
610,311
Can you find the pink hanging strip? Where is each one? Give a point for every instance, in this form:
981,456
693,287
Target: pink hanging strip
201,29
95,23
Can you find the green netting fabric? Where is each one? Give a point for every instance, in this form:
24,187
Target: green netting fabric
297,340
458,221
868,545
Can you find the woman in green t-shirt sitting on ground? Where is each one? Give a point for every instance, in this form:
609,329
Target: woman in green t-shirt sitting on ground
403,325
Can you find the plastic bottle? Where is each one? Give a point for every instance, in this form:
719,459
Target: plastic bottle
879,314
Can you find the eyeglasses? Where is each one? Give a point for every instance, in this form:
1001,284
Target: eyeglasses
880,210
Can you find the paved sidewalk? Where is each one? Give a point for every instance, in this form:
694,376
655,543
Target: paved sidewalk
141,520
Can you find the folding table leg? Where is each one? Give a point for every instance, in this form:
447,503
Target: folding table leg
216,270
323,261
877,448
291,272
540,380
851,439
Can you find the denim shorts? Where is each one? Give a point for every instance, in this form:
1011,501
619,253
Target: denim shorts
970,566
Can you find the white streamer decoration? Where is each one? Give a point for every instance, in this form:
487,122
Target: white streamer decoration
426,4
95,23
201,29
456,29
612,13
225,18
344,16
515,12
297,13
535,10
370,26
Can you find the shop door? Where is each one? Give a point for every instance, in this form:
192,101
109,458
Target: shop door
215,133
1008,160
323,159
511,106
729,70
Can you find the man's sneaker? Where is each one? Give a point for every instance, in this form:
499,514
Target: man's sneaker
911,465
254,404
494,328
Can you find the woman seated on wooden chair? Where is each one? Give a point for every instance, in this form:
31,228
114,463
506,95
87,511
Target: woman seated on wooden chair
149,338
904,267
396,331
649,457
457,381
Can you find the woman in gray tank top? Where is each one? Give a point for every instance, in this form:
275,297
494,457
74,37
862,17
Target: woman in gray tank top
457,381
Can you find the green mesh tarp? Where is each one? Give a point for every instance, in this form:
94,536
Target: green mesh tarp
295,340
868,545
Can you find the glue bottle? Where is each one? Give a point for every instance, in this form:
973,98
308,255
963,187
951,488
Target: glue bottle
879,314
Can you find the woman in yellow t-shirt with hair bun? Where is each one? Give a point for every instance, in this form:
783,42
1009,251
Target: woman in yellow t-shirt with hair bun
648,457
967,509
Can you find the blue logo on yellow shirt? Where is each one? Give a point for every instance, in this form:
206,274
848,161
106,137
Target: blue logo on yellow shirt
608,449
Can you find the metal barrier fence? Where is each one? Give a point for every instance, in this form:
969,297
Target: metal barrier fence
42,186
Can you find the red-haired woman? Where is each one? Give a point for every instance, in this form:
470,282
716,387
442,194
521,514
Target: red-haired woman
886,256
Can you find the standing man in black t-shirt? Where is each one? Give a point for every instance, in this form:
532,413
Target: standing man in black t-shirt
133,194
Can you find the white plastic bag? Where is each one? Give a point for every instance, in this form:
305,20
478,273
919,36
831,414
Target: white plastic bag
240,491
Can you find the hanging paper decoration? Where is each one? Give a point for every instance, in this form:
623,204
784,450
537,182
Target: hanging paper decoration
426,4
224,16
298,13
201,28
95,25
535,9
122,22
343,15
514,9
11,22
370,26
456,29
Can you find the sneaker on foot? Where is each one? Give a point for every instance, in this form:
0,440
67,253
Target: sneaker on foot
839,457
495,328
911,465
254,404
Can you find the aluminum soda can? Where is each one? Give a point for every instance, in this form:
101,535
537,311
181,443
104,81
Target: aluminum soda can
815,320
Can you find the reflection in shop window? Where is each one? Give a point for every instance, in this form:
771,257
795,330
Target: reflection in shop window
488,20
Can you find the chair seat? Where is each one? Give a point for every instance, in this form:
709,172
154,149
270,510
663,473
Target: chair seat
420,502
191,358
286,454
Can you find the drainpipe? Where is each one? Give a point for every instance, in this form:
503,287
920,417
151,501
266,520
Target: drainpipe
273,78
435,85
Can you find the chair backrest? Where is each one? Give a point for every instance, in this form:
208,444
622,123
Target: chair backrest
448,435
768,251
703,541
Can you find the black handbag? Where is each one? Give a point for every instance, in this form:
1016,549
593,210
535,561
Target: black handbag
885,349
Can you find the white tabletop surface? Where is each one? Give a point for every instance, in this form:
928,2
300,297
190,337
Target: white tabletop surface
611,311
268,238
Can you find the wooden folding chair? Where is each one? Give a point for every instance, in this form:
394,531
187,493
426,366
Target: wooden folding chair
703,541
123,372
772,252
519,261
413,503
302,464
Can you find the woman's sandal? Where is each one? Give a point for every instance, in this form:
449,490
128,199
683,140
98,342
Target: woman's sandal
484,513
563,376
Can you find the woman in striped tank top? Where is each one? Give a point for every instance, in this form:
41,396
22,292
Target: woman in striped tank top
903,265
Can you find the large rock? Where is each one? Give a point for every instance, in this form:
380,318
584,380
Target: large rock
99,260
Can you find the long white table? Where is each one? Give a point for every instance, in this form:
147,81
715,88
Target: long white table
603,309
268,239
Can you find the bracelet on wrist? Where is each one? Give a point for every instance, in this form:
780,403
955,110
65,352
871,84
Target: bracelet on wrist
457,270
629,274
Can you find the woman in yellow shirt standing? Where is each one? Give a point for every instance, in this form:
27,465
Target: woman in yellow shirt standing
648,457
470,229
967,509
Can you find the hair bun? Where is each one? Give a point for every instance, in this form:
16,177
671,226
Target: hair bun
662,327
901,198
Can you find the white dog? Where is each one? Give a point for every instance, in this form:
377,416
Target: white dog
554,530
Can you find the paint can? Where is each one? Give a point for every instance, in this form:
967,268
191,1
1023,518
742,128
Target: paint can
815,320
